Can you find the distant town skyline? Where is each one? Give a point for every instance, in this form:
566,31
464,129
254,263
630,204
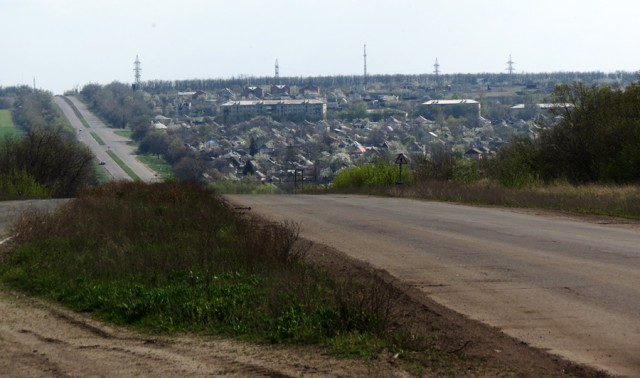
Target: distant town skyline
65,44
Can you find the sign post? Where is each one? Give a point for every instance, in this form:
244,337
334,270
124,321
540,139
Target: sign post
400,160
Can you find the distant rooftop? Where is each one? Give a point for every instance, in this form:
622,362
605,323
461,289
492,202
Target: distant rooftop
544,106
451,102
272,102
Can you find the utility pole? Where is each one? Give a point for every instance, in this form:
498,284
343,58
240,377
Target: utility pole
136,70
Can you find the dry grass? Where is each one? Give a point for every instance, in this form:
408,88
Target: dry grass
617,201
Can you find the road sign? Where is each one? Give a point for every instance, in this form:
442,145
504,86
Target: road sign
401,159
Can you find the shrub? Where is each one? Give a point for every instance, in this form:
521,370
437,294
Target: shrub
378,174
19,184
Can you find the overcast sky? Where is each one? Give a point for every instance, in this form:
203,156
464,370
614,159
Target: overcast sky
69,43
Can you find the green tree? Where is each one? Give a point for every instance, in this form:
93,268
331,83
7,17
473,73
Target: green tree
54,160
519,163
598,137
155,142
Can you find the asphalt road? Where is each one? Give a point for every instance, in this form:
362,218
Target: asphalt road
561,284
116,143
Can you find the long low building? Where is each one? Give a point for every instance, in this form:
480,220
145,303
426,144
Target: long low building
458,106
308,107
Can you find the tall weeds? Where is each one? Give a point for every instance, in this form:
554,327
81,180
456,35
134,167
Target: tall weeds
174,256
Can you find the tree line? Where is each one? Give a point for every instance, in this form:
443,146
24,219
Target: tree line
120,106
398,80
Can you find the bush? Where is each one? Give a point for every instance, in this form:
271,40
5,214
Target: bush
519,163
466,171
54,160
380,173
19,184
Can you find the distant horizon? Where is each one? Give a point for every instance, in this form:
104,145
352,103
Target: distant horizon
242,77
68,43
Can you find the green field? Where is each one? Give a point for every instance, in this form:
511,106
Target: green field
6,124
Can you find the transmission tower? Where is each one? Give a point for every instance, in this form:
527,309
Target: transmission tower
136,71
365,65
436,71
510,69
277,72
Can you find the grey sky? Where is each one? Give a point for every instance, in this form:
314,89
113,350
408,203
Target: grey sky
68,43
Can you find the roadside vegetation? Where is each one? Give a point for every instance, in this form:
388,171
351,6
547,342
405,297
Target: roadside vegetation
174,257
158,165
45,160
587,163
378,174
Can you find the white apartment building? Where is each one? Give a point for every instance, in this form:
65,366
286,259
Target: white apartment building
308,107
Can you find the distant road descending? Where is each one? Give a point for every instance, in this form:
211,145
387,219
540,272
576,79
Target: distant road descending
568,286
113,142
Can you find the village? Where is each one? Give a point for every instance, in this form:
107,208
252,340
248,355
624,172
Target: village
274,132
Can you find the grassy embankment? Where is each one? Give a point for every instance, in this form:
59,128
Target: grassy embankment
174,257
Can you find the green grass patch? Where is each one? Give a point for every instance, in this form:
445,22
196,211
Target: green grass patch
7,128
158,165
124,133
124,167
97,138
5,119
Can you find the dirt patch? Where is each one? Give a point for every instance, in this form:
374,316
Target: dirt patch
41,339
